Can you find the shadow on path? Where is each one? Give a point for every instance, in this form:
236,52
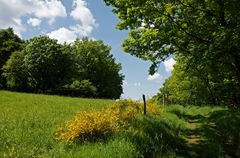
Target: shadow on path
216,134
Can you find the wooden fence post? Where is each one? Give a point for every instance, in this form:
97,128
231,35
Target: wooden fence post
144,105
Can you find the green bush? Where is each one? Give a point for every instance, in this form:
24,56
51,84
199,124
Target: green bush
82,88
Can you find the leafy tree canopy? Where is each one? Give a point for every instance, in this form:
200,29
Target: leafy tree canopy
47,63
15,72
85,68
195,27
9,42
203,33
95,63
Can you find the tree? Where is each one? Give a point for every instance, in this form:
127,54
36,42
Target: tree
15,72
186,86
95,63
206,32
47,63
9,42
85,68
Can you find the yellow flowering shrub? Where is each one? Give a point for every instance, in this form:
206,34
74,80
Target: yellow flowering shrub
134,107
91,124
94,124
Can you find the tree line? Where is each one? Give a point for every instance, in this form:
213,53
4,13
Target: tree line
41,65
203,36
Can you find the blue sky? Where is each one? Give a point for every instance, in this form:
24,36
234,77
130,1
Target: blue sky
66,20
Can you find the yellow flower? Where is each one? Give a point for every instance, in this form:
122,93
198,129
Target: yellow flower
93,124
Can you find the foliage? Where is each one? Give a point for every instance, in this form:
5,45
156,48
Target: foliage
46,62
134,107
82,88
204,33
15,72
195,85
41,65
183,87
93,125
95,63
9,42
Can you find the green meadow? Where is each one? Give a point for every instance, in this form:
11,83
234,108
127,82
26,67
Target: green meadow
28,124
28,121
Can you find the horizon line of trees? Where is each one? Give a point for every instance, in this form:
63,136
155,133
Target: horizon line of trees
41,65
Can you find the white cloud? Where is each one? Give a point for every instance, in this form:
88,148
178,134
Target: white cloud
49,9
168,64
82,30
83,15
34,22
11,12
63,35
155,77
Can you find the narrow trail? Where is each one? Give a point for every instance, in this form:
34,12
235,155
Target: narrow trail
194,138
198,143
199,138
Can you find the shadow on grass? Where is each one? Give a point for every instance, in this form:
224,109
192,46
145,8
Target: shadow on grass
216,134
223,128
156,137
187,116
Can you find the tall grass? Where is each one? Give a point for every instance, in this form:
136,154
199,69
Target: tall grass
28,124
28,121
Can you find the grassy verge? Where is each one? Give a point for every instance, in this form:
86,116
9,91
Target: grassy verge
28,124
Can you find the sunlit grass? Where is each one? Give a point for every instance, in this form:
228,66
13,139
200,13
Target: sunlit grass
28,124
28,121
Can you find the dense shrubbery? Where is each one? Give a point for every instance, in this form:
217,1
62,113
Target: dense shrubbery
85,68
93,125
81,88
